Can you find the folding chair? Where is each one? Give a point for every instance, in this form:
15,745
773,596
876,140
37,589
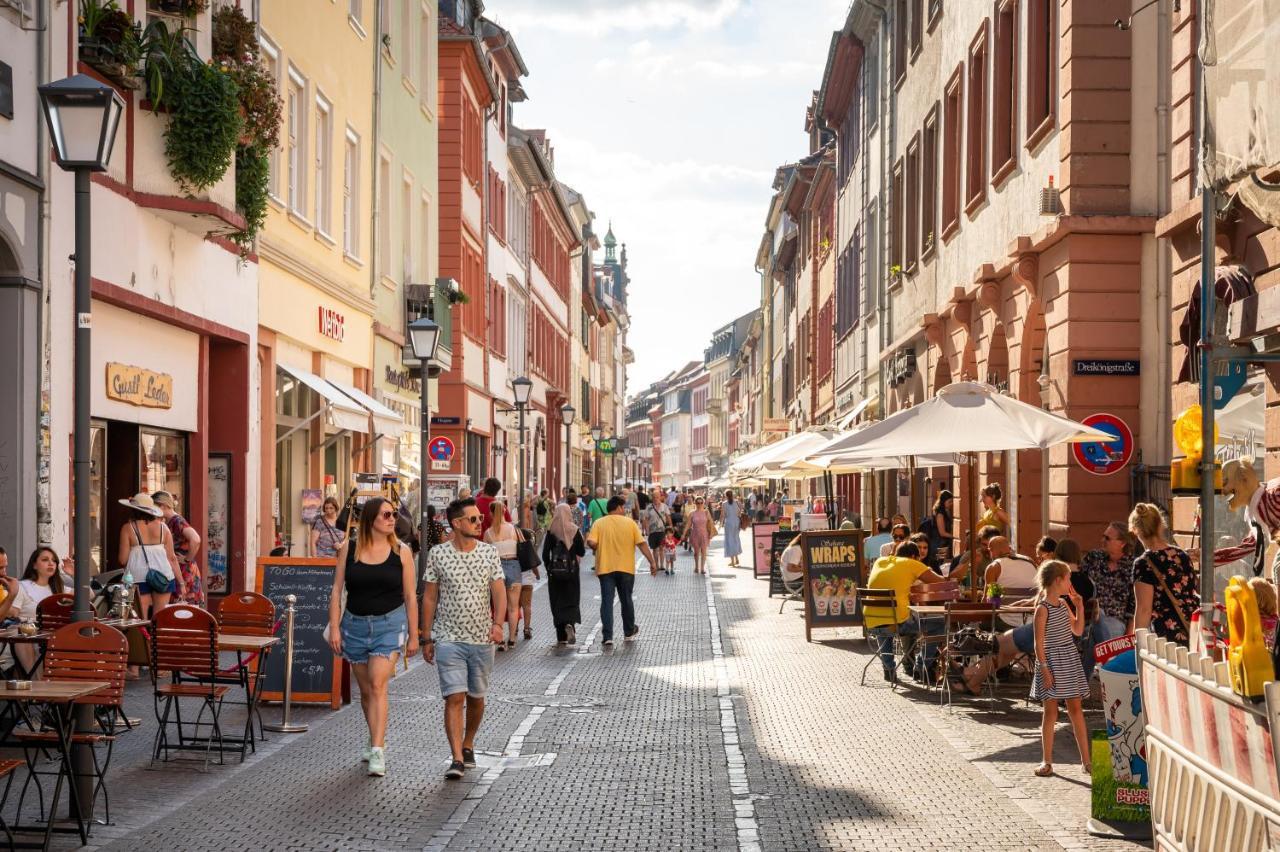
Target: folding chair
184,640
791,591
55,611
879,603
958,615
933,594
82,651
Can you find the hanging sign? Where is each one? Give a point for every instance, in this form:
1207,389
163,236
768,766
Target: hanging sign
137,386
440,449
1105,457
332,324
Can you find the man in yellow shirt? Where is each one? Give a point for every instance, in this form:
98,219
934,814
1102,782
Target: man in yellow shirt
899,572
614,538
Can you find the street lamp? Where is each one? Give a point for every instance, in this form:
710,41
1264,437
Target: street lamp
82,115
567,413
596,434
424,337
631,465
522,387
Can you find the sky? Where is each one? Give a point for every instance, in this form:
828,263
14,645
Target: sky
670,117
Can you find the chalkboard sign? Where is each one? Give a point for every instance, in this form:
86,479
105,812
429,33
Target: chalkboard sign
317,674
761,536
777,544
833,569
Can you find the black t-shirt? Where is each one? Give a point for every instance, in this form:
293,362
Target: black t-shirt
374,589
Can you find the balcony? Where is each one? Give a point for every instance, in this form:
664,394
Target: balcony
212,210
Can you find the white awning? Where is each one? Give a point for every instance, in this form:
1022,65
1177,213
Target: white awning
342,411
385,420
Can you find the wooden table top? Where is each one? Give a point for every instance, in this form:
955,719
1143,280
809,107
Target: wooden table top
54,691
11,634
940,609
244,642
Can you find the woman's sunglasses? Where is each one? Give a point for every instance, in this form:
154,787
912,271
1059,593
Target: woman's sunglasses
386,514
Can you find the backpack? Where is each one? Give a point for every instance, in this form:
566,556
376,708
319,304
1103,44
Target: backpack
560,562
541,508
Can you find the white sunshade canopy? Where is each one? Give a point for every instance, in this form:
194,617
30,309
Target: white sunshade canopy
385,420
965,417
343,412
768,460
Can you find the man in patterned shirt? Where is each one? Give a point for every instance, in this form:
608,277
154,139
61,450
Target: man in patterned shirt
464,588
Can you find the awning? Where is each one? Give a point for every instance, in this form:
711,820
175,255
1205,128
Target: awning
846,422
343,412
385,420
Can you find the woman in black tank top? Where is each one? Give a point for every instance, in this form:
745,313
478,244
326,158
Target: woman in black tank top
380,619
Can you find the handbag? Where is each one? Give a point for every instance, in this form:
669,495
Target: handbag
156,580
526,553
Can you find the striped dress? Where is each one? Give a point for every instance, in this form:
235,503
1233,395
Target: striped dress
1063,655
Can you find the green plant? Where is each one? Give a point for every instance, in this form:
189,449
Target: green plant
204,126
109,35
186,8
234,34
235,48
253,181
168,54
895,271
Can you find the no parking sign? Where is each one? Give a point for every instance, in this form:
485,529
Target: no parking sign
1105,457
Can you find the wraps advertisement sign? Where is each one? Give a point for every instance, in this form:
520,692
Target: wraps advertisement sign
1119,754
834,569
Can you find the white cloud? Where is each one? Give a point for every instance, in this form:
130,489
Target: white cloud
601,17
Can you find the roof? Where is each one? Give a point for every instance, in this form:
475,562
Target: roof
525,148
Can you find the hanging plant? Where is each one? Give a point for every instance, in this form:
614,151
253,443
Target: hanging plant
234,34
204,126
110,41
235,48
253,180
185,8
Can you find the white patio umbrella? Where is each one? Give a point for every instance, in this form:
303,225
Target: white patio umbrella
767,461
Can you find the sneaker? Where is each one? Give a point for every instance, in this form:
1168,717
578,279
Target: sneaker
570,635
377,762
608,643
468,757
633,633
368,750
455,771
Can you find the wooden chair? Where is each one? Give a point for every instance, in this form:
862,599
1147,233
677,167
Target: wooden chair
880,603
55,611
249,614
184,641
959,615
76,652
7,768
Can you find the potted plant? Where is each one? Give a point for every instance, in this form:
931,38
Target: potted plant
994,594
455,295
184,8
110,41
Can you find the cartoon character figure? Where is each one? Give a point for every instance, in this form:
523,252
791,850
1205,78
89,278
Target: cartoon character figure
1128,746
1261,505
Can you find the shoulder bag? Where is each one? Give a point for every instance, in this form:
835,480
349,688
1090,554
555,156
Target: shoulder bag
156,580
526,553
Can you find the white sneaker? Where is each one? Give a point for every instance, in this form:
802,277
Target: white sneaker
368,750
377,762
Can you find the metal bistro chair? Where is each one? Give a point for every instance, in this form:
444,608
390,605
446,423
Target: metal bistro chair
55,611
247,614
933,594
82,651
960,614
792,590
184,640
878,603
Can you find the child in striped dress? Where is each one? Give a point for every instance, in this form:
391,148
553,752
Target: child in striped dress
1059,673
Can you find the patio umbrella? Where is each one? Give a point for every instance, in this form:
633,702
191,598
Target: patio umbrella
767,461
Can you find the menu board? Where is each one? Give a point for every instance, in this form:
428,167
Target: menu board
761,537
777,544
317,673
834,569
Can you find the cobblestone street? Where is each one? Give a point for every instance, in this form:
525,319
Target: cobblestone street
720,728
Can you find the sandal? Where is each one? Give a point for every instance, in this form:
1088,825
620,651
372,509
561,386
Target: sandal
961,687
1044,770
528,633
1087,767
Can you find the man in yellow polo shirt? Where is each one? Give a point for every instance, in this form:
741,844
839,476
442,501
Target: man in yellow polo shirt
899,572
615,538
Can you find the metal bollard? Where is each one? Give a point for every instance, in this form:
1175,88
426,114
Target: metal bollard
285,726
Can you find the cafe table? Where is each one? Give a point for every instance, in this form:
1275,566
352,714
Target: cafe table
59,697
248,644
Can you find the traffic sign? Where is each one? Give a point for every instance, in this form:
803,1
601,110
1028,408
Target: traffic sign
604,445
1105,457
441,449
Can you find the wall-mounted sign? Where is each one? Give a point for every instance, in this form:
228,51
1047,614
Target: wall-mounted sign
1104,457
405,380
1106,367
137,386
440,449
446,421
332,324
604,445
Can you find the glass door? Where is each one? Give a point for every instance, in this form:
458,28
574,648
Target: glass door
97,493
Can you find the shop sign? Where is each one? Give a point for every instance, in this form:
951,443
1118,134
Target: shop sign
137,386
834,570
775,424
332,324
405,380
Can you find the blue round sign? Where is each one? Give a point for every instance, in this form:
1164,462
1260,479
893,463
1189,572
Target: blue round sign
1105,457
440,449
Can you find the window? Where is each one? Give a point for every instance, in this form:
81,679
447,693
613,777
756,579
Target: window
826,341
405,48
935,13
952,114
517,223
1004,92
473,285
423,267
517,346
899,41
497,205
271,62
355,9
866,282
917,26
871,88
472,138
497,318
384,216
929,183
976,139
1040,69
911,206
850,134
351,195
296,139
897,221
406,229
426,42
324,165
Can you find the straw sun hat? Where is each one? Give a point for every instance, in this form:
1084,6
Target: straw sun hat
143,503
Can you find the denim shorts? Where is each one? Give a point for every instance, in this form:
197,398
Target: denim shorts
511,572
464,667
365,636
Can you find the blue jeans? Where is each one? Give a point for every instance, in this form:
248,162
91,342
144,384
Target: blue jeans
913,627
623,583
1106,627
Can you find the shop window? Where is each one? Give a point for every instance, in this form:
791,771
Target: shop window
952,115
976,139
162,462
929,183
1004,87
1040,69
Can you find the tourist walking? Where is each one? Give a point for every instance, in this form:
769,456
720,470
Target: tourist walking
1059,675
186,544
504,537
326,537
379,618
699,529
731,518
1166,588
677,514
562,551
598,507
463,607
614,538
652,522
146,552
484,502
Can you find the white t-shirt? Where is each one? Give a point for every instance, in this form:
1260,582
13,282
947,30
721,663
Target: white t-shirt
792,563
462,614
504,540
29,597
1016,572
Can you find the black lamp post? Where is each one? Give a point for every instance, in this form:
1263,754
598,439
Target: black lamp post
567,413
521,388
424,337
596,434
83,116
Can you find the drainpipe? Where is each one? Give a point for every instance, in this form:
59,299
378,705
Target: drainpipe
44,509
375,155
1163,191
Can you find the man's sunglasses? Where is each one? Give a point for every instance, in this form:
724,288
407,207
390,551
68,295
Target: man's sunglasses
471,519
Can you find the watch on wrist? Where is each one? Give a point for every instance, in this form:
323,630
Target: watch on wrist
424,639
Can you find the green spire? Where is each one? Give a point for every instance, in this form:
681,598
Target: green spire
610,245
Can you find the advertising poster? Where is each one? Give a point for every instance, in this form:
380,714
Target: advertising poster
218,533
761,537
311,500
834,569
1119,754
779,542
441,492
